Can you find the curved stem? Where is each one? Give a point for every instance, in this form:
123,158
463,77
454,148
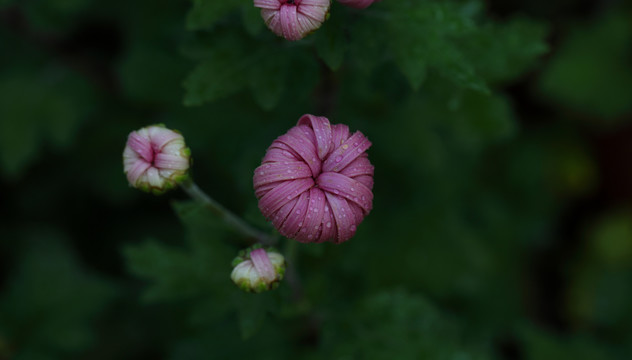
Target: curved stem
231,219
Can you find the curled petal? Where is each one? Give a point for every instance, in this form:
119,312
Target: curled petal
315,181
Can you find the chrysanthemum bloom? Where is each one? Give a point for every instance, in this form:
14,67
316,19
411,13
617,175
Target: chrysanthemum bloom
293,19
315,181
155,159
358,4
258,270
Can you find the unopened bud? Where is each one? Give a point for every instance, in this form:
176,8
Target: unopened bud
258,270
155,159
293,19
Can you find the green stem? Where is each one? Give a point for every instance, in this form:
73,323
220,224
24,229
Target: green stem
231,219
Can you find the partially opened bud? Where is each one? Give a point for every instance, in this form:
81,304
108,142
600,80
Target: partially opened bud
293,19
258,270
155,159
358,4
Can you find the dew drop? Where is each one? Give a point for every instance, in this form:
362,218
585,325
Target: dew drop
262,173
352,189
338,158
310,236
352,228
328,224
355,144
363,197
289,197
359,150
336,192
345,147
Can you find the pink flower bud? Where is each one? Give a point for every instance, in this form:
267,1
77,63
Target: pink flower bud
293,19
315,181
358,4
155,159
258,270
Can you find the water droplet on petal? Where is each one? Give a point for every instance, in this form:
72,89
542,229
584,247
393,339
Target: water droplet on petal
352,228
328,224
338,158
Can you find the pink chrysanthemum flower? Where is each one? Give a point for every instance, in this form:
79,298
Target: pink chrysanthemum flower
293,19
315,181
358,4
155,159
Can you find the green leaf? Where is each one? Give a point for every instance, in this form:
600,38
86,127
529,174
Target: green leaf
268,80
251,18
330,42
225,70
416,330
252,310
421,35
172,271
57,103
52,300
570,78
205,13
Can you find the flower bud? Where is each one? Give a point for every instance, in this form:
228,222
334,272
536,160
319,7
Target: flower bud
358,4
293,19
315,182
155,159
258,270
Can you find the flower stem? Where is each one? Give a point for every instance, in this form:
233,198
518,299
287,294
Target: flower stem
231,219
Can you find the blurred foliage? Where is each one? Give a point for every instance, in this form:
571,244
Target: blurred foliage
491,237
593,56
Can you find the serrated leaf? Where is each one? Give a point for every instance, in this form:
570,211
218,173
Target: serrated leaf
421,35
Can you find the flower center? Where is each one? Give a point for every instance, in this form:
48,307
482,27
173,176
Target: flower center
292,2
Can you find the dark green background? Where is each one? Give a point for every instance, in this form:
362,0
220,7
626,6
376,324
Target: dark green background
502,141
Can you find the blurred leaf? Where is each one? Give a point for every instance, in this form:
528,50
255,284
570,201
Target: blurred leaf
172,271
224,71
51,300
540,344
502,52
416,330
330,42
205,13
57,103
571,79
420,36
251,18
150,74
